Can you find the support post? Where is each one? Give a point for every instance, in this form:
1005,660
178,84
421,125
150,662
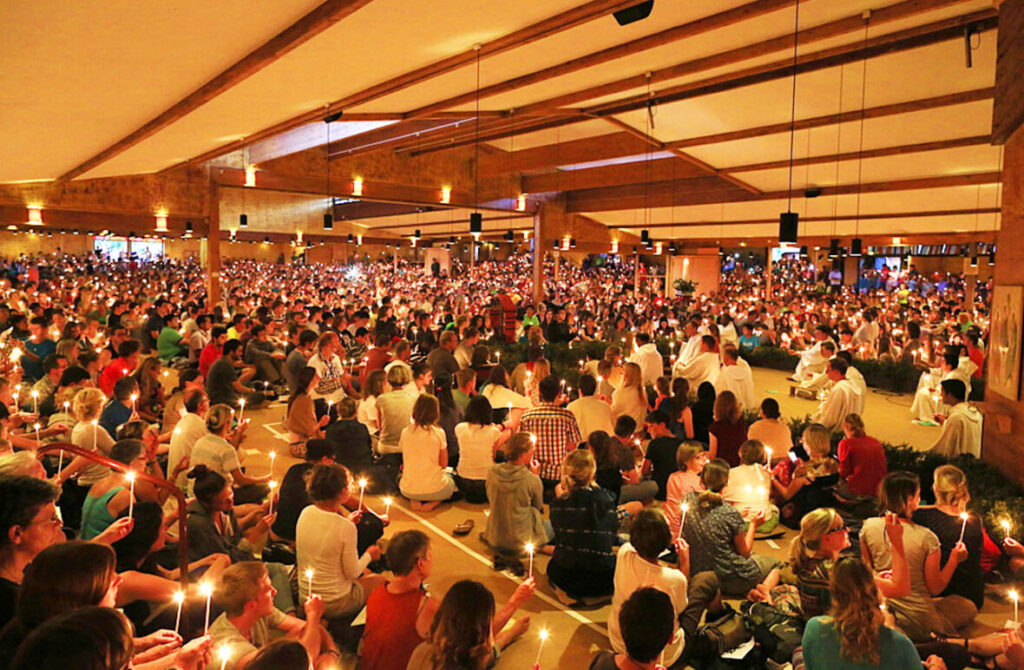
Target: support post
768,273
213,247
636,274
538,259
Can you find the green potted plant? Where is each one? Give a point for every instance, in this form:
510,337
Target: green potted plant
684,287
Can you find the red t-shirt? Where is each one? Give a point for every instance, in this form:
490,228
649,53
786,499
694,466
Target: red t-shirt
862,464
390,636
118,368
210,353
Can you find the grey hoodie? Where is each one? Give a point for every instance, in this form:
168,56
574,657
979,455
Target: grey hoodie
517,506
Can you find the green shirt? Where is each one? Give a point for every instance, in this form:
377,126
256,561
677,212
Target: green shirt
167,345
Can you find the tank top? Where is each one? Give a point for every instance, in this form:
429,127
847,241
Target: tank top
96,517
390,636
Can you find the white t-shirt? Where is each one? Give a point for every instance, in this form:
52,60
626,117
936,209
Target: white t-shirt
327,543
592,414
633,572
476,449
420,448
366,414
748,489
217,454
190,428
85,434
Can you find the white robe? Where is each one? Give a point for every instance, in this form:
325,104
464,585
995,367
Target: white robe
926,403
702,369
812,360
961,432
740,380
844,398
649,360
689,351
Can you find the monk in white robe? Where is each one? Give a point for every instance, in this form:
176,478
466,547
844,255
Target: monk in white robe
812,359
703,368
735,375
961,427
843,398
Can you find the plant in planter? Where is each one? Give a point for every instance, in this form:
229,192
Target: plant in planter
684,286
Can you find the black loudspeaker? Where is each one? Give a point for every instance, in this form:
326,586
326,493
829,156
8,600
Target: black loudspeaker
416,235
509,236
243,221
812,192
188,228
788,224
351,239
857,247
476,222
803,252
451,239
833,248
328,222
645,236
572,243
637,12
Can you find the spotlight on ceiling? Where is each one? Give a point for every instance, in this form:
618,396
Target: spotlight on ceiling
637,12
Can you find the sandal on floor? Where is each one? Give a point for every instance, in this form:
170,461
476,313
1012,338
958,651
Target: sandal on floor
464,528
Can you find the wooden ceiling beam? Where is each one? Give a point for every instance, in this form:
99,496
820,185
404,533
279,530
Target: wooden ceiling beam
601,147
571,18
668,194
461,221
662,169
818,219
309,26
883,45
683,31
846,25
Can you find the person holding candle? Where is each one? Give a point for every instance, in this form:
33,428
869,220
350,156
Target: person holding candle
217,451
120,408
923,611
353,446
516,496
749,487
326,541
467,632
111,496
480,440
637,566
944,519
813,481
425,457
226,385
122,366
246,594
28,524
300,419
151,399
40,399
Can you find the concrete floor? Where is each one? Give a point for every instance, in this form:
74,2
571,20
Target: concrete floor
576,635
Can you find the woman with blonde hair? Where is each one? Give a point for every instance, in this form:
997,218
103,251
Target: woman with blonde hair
855,634
945,519
86,407
217,450
630,399
151,401
585,522
541,369
425,457
728,431
813,480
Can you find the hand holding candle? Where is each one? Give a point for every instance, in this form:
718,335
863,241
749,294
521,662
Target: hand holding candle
543,638
387,506
1005,523
224,654
273,485
1015,597
309,582
206,589
684,508
179,599
241,409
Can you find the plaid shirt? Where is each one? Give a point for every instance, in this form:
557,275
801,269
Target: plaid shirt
557,435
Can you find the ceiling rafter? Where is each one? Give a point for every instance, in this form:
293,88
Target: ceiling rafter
817,219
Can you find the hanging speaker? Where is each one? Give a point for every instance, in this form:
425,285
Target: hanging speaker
857,247
351,238
451,239
509,236
788,224
188,228
556,244
974,261
645,236
328,222
572,243
476,223
672,247
637,12
803,252
243,220
416,235
833,248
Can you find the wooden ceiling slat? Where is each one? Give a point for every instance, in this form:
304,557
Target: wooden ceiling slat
818,219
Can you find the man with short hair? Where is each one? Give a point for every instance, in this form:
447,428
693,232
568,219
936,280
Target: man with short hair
648,358
702,368
155,324
200,337
812,359
37,347
556,431
961,426
119,410
464,352
466,388
442,359
212,351
169,343
298,357
647,624
41,397
263,354
735,375
625,453
660,457
591,412
125,363
28,524
843,398
188,430
225,385
246,595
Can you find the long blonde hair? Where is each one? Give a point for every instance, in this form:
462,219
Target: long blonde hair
633,377
578,470
726,407
816,439
856,611
950,487
813,527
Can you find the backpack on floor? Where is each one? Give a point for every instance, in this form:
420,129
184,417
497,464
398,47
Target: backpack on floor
778,634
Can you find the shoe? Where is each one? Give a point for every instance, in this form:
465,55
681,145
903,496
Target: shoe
464,528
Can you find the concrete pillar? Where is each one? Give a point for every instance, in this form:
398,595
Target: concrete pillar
538,258
768,273
213,248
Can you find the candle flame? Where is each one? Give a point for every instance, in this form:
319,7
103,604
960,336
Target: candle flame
362,483
1005,523
206,588
272,484
964,516
309,573
130,475
179,597
685,507
529,547
543,634
1014,595
224,653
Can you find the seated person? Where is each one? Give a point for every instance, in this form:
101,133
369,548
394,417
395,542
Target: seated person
119,409
927,399
246,595
425,457
399,614
648,625
690,459
516,495
479,440
770,431
813,480
862,463
961,425
660,457
626,452
750,485
720,540
843,398
637,566
351,441
218,451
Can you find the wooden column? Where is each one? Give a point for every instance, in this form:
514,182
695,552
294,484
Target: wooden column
538,258
213,247
768,273
636,273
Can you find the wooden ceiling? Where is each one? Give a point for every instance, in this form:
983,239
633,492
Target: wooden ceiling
680,123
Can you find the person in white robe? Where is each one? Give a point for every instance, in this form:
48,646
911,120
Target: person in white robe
868,331
819,381
812,360
735,375
691,347
961,427
843,398
703,368
648,358
928,397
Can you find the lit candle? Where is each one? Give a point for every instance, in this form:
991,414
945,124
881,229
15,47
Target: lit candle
273,455
35,402
1005,523
362,490
768,456
684,508
309,582
963,526
273,485
498,356
529,550
179,598
130,476
1015,598
95,432
387,506
543,639
37,431
224,653
206,588
135,399
241,409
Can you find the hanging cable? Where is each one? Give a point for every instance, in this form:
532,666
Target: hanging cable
860,145
792,114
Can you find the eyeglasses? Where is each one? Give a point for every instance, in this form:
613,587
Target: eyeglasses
54,520
839,529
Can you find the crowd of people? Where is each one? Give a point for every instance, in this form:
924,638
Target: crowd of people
643,481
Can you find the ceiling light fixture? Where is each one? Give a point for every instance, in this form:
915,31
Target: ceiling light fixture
161,221
789,221
634,13
446,195
35,215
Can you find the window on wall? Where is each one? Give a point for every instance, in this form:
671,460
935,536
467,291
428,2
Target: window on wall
123,248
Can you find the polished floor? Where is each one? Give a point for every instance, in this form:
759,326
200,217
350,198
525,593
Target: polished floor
577,634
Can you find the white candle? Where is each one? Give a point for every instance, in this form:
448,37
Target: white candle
135,400
37,431
543,639
529,550
684,508
35,401
273,455
95,432
1005,523
130,476
179,598
241,409
963,526
224,653
387,506
206,588
362,490
309,582
273,485
1015,598
768,456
